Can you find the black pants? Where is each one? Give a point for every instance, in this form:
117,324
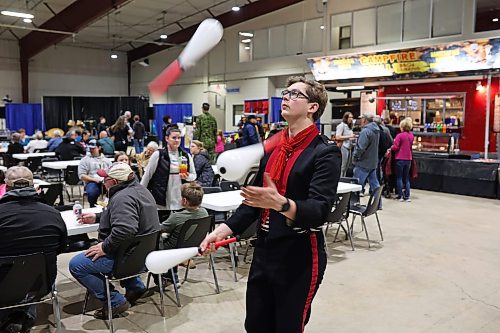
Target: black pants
284,278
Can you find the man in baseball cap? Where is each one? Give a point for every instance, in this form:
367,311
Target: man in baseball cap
87,171
131,212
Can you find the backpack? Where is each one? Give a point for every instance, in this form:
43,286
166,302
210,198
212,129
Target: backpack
384,142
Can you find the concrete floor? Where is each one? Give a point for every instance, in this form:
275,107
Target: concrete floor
438,270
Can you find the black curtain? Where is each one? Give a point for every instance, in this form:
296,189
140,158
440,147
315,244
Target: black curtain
89,109
57,111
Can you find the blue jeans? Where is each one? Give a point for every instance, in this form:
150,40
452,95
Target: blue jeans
93,191
363,174
403,178
88,273
139,145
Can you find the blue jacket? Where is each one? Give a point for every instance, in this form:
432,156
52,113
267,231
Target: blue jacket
250,135
54,143
366,151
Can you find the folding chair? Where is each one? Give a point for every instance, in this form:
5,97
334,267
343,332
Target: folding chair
192,233
368,210
130,261
26,280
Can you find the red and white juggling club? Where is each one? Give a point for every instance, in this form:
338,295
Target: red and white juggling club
205,38
159,262
235,163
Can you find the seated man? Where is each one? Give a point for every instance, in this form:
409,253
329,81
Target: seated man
68,149
131,212
87,171
192,195
27,226
108,146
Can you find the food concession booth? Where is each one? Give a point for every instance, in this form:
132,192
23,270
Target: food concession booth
451,92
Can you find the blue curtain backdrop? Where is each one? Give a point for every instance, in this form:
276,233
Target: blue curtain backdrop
176,111
27,116
275,109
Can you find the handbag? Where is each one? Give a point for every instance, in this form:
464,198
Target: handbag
413,169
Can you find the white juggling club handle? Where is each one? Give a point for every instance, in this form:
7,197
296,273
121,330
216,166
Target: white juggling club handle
159,262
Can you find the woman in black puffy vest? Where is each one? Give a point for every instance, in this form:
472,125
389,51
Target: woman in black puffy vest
167,170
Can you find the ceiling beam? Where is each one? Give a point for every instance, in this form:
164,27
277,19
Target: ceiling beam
247,12
72,19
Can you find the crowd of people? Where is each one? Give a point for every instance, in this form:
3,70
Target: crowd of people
291,197
376,153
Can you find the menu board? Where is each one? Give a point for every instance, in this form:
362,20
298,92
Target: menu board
473,55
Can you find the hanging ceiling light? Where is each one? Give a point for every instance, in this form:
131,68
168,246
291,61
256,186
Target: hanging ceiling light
496,19
235,8
114,56
16,14
27,20
163,36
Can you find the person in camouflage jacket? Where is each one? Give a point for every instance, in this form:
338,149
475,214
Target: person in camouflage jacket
206,131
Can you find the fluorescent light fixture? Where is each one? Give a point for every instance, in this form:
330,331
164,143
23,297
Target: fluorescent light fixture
248,40
114,56
235,9
27,20
163,36
247,47
322,27
16,14
246,34
496,19
351,88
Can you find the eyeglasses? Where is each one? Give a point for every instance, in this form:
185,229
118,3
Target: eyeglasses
293,94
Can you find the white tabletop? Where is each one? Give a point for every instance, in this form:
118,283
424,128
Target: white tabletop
25,156
347,187
61,165
230,200
222,201
39,182
75,228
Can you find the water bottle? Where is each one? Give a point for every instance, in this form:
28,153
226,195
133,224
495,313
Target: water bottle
77,209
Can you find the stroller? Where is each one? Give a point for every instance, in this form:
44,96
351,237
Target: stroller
388,175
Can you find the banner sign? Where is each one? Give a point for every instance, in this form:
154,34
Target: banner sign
474,55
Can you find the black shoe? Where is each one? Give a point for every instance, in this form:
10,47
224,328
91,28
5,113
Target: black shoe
117,311
17,322
133,295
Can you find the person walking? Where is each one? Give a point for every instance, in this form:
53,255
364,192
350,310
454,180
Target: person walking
402,148
365,155
206,130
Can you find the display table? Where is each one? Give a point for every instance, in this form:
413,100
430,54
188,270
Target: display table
458,176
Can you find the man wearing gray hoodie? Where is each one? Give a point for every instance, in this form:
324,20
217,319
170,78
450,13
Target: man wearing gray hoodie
365,156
